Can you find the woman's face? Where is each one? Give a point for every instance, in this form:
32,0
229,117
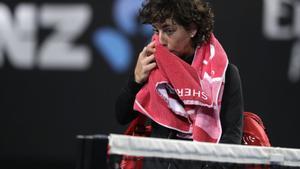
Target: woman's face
175,37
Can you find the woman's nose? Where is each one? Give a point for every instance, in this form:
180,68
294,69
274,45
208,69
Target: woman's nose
162,38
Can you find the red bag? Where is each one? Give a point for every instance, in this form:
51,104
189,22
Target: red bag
254,134
254,131
136,128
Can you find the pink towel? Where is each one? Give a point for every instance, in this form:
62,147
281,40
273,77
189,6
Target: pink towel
184,97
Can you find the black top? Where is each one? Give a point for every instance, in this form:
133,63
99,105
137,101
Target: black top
231,114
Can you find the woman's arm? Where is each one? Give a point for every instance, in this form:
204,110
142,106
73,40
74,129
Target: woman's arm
124,104
232,107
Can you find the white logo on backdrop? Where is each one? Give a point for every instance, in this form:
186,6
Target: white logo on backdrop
19,36
275,11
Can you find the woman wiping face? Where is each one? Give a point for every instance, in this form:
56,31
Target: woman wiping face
175,37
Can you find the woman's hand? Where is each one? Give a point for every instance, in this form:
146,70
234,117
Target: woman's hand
145,63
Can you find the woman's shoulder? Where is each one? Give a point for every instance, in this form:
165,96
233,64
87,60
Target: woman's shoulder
232,72
232,68
232,78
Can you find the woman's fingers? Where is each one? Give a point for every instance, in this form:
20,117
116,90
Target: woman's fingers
150,67
145,63
148,59
148,50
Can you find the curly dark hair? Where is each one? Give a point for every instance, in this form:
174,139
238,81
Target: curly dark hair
183,12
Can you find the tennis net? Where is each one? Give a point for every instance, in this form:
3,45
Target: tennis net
124,151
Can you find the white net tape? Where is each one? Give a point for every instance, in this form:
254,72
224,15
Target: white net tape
189,150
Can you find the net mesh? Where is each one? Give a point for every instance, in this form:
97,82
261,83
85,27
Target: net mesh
164,153
127,152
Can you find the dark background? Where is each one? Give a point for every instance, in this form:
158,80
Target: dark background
42,111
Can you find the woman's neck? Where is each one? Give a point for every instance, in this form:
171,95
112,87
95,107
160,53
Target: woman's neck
188,58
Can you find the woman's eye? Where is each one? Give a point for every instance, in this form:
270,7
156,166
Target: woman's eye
169,31
155,31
